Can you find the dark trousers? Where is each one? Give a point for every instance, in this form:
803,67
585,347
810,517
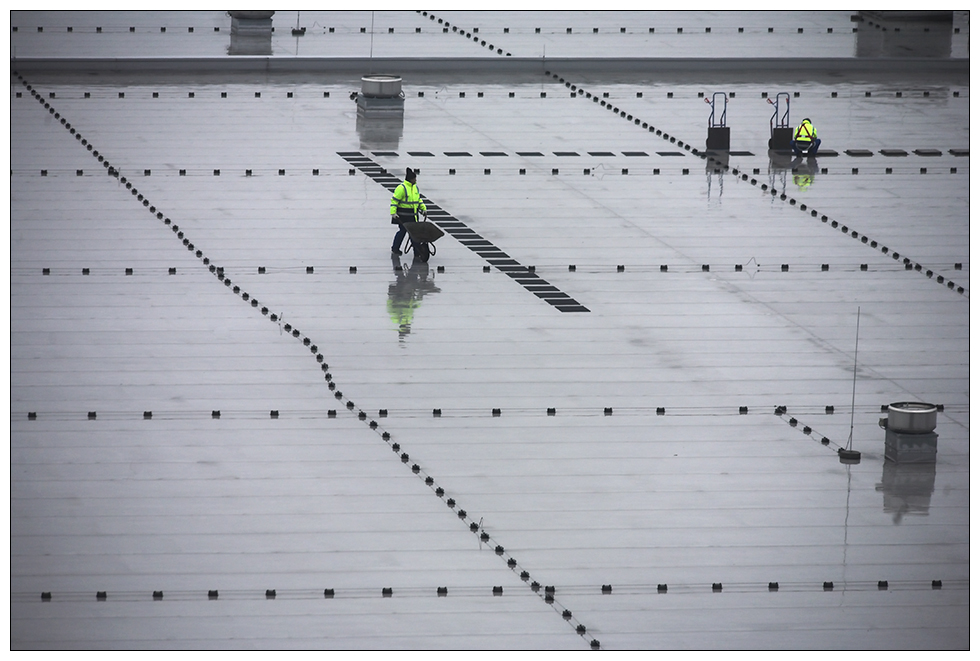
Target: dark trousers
800,145
400,234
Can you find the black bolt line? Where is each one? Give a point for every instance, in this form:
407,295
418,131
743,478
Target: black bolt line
606,589
462,515
578,91
745,177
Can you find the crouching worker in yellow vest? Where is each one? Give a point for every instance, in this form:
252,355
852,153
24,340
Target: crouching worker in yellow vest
805,140
406,205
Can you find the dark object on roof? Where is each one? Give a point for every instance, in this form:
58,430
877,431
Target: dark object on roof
424,231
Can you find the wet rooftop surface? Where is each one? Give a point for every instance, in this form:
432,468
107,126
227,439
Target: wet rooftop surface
576,34
606,414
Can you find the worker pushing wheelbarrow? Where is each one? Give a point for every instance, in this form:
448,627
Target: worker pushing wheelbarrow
407,208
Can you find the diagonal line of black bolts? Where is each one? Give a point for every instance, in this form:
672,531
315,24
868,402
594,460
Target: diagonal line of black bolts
806,429
745,177
720,165
462,515
474,35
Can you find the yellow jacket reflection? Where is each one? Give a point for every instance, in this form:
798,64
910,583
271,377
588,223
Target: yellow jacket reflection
406,292
803,181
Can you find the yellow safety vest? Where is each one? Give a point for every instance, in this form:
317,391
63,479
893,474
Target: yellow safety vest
406,200
805,133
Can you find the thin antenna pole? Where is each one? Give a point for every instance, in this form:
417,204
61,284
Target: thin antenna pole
371,57
857,334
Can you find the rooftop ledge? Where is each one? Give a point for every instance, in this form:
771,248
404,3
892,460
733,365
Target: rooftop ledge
491,64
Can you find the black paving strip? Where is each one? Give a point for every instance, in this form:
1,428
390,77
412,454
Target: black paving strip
823,153
466,236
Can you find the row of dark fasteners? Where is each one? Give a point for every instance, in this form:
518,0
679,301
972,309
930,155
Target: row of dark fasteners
132,29
496,591
99,30
220,274
510,95
218,271
437,412
745,177
474,31
588,172
214,28
572,268
621,30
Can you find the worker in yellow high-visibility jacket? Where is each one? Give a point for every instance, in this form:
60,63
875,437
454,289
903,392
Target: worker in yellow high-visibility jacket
406,206
805,140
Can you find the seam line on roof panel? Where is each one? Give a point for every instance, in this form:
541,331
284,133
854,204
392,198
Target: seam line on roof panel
475,527
473,241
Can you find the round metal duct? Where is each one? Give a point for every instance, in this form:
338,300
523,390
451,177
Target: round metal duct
911,417
381,85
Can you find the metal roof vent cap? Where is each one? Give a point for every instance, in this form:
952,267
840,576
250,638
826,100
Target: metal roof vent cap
379,85
911,417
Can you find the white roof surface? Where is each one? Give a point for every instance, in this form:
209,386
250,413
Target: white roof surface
222,381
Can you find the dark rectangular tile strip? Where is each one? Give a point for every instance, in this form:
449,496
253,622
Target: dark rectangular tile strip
470,239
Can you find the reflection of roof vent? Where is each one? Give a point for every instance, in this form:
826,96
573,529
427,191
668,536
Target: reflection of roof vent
381,86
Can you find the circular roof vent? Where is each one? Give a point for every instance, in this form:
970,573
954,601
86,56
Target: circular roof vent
912,417
381,85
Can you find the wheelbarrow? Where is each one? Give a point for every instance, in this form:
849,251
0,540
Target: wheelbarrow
422,236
